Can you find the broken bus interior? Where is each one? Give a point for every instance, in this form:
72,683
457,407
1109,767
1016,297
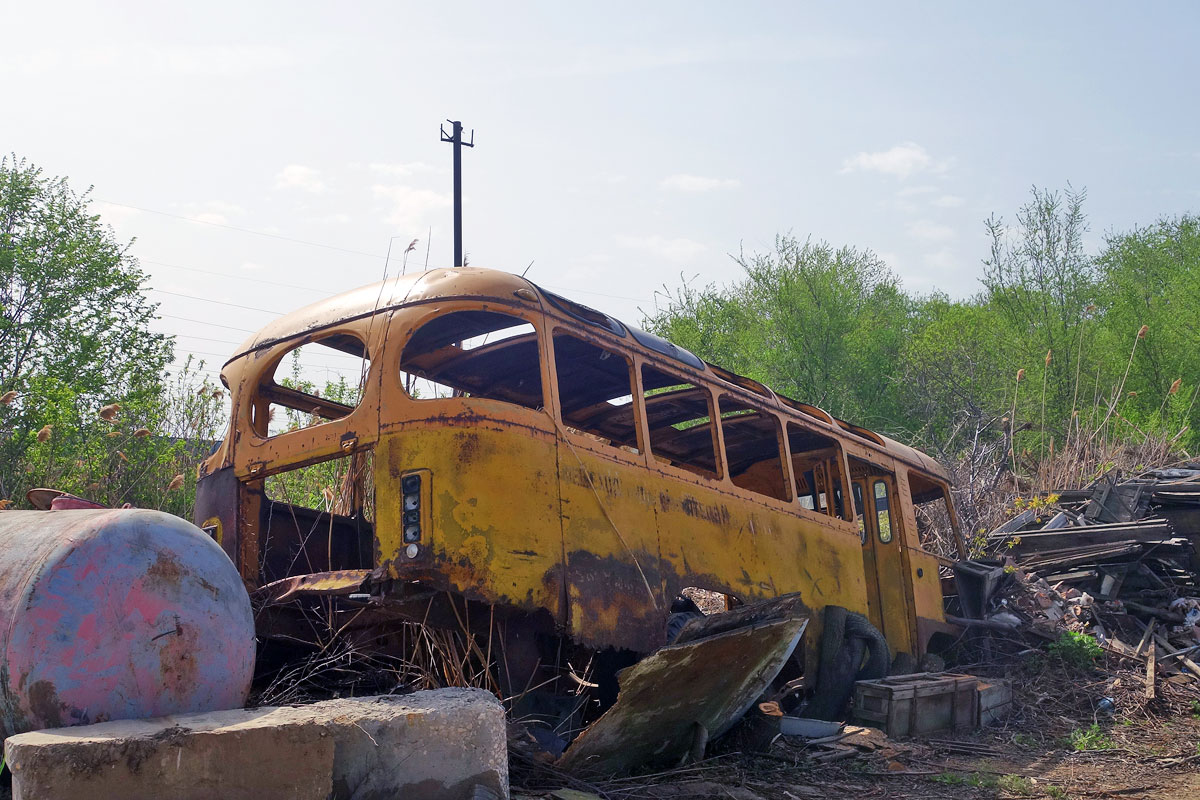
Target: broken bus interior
511,450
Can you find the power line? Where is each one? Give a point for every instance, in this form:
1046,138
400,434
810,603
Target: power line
206,322
242,230
316,244
218,302
235,277
227,355
341,372
202,338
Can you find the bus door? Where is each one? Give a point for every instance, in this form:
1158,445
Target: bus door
884,557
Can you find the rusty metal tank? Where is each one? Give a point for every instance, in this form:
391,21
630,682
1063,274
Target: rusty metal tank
117,614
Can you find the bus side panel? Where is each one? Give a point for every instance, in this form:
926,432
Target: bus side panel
718,541
611,542
493,530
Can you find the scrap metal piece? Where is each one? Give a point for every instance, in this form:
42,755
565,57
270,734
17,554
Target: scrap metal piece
337,582
710,681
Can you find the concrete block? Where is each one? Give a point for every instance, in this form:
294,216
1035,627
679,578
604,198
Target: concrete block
426,745
269,752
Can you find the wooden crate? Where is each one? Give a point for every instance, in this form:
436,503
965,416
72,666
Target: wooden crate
911,705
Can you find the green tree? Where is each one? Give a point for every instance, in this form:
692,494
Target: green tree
74,339
1151,276
820,324
954,373
1042,283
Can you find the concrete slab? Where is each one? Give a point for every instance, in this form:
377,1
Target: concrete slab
424,746
439,744
239,755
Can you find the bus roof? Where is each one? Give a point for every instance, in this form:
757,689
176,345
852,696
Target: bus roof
474,282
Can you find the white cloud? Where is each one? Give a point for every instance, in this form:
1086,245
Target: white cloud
401,170
928,231
890,258
212,211
697,183
112,214
221,60
612,178
298,176
901,161
189,60
942,259
913,191
410,208
677,249
948,201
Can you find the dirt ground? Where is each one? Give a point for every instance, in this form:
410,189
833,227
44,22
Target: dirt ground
1059,742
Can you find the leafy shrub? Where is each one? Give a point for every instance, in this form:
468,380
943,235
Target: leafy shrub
1090,738
1078,650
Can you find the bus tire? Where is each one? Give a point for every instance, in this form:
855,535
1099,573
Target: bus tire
876,667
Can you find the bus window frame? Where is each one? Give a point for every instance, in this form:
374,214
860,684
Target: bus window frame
258,455
947,497
800,420
617,349
641,363
411,410
789,483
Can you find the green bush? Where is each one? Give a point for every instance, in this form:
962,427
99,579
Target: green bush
1078,650
1090,738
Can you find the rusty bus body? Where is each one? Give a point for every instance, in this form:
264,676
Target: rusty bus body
557,463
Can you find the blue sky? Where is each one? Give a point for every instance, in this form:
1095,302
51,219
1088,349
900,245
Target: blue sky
620,146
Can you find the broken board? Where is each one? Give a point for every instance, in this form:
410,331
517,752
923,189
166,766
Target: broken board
665,697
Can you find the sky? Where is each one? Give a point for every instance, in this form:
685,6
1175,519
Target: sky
265,155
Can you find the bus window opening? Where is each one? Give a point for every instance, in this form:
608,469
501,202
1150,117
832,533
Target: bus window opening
679,418
753,449
595,391
483,354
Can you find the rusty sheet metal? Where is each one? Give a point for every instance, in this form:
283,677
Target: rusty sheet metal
337,582
494,531
710,681
117,614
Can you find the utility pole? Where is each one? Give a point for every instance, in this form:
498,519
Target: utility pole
455,138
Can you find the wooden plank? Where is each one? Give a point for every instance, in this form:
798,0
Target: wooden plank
1187,662
1146,636
1150,667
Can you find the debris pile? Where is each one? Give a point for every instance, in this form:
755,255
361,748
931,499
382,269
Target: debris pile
1116,560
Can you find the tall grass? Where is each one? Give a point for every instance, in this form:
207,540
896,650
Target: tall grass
1005,468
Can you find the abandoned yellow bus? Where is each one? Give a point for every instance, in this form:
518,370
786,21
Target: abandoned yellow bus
525,455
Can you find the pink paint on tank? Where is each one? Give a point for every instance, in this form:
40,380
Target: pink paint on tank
117,614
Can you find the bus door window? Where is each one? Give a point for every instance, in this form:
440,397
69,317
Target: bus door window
883,517
859,512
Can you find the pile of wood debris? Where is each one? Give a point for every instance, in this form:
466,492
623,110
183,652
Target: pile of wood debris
1117,560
